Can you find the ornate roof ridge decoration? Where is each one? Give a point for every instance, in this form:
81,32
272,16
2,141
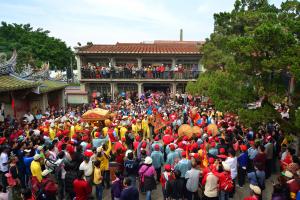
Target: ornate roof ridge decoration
26,72
8,66
38,74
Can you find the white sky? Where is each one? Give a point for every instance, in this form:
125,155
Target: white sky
111,21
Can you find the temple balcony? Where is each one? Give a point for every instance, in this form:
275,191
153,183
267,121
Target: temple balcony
88,75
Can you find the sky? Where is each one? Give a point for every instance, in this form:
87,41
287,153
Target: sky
111,21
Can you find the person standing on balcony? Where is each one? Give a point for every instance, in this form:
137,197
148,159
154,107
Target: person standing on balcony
93,71
153,69
176,71
162,71
166,72
103,72
139,71
108,71
194,71
180,71
149,72
134,71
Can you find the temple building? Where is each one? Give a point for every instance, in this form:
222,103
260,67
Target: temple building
138,67
31,90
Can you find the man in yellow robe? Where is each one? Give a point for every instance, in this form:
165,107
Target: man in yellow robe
35,167
145,127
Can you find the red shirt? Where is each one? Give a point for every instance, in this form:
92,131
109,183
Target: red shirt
59,144
167,139
82,189
222,178
135,145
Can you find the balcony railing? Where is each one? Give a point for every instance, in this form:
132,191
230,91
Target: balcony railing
98,74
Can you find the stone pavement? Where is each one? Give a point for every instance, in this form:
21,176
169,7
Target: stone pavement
240,194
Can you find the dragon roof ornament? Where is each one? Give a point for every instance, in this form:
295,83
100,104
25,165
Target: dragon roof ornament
28,72
40,74
8,66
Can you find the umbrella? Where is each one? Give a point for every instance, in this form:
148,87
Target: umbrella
185,129
95,115
213,129
196,130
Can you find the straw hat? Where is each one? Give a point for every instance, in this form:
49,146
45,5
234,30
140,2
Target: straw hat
148,160
36,156
287,174
255,189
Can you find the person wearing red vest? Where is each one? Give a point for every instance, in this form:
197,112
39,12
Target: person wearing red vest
82,188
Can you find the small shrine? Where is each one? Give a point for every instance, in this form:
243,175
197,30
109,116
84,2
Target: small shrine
29,90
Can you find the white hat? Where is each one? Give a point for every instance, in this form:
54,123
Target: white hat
36,156
226,166
39,148
127,152
287,174
27,150
46,172
36,132
148,160
255,189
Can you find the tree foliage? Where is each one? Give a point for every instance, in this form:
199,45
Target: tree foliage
34,46
253,52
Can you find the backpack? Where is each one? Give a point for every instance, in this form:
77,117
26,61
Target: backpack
227,185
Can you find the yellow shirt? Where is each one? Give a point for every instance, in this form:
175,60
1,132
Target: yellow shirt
97,176
35,168
52,133
104,159
104,131
72,131
123,131
78,127
139,126
135,128
145,124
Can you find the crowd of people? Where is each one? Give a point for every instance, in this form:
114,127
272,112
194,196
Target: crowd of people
141,148
133,71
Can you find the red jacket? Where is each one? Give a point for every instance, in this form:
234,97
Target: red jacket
222,179
82,189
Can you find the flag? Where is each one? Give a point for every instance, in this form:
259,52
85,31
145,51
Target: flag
159,123
13,106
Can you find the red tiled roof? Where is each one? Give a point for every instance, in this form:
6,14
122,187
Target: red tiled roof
156,47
